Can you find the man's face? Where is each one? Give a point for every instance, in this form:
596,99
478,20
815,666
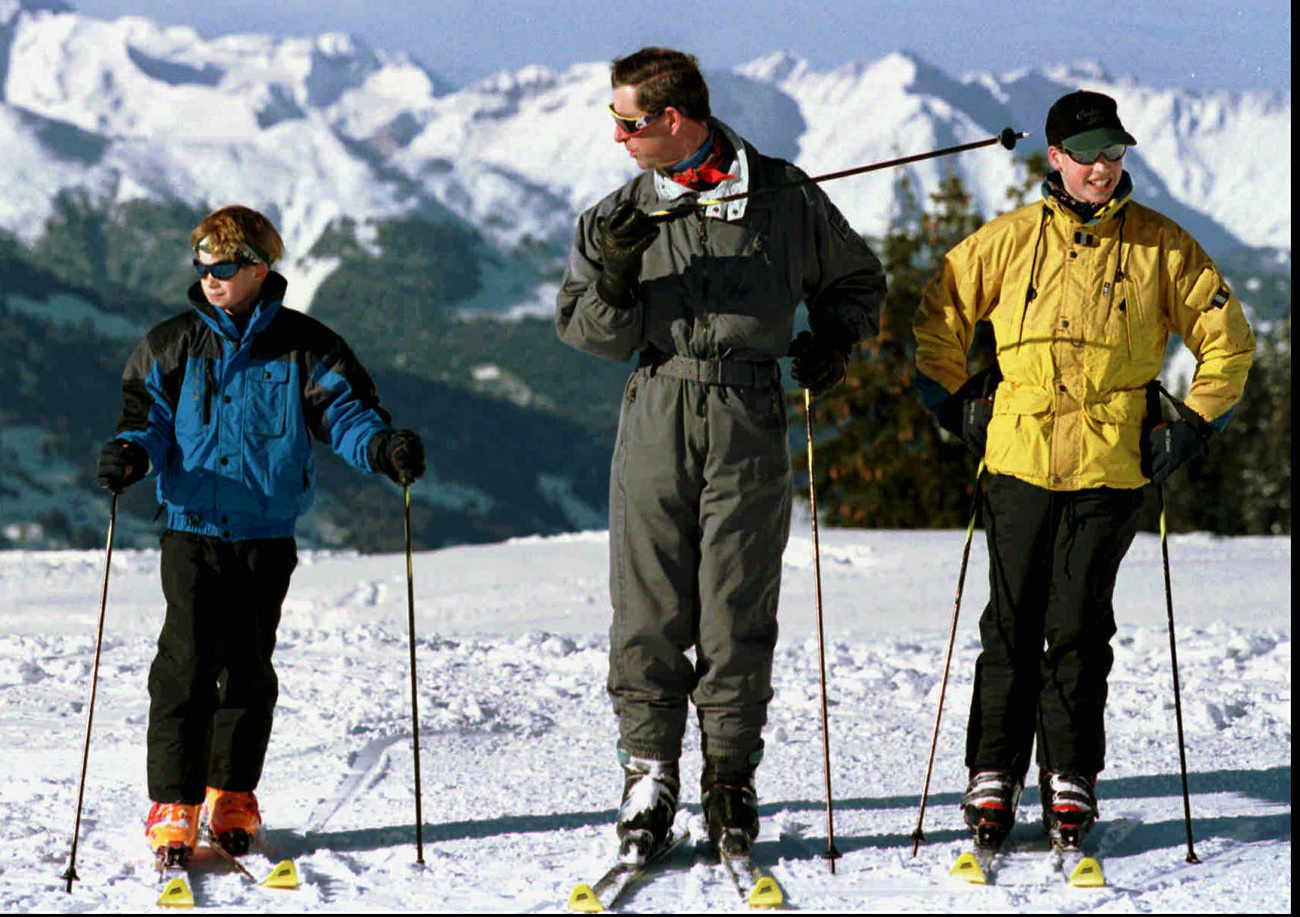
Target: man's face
654,146
1091,184
239,293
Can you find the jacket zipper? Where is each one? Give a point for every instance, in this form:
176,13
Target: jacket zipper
701,410
703,232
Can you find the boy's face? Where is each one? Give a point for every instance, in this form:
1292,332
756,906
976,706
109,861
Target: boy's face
1092,183
239,293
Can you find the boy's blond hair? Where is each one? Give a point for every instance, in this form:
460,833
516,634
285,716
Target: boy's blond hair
238,231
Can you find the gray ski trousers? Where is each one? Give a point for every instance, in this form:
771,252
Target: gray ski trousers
699,519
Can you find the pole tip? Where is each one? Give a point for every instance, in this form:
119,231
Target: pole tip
831,855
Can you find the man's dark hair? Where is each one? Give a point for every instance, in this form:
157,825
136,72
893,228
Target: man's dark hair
663,77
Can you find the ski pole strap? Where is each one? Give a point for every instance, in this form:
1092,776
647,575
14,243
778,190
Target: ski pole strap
1199,425
742,373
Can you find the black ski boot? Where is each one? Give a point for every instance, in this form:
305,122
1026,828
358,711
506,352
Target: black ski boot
730,802
989,806
649,806
1069,807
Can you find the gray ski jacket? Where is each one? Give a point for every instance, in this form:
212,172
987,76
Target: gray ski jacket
724,283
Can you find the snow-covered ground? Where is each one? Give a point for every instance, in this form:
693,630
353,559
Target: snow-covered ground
518,773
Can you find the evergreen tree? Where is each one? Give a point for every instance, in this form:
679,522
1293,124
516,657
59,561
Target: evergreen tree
882,460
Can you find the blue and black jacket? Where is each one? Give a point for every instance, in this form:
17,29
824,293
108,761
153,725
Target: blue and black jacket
226,417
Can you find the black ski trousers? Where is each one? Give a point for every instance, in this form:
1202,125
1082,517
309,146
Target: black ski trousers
212,689
1053,560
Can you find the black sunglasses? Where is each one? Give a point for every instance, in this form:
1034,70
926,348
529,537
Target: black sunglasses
222,270
1113,153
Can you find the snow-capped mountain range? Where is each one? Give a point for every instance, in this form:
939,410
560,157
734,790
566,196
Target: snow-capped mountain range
315,129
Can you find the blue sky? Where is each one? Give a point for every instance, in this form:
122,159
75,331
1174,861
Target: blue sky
1206,45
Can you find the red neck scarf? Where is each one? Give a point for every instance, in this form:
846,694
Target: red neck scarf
712,171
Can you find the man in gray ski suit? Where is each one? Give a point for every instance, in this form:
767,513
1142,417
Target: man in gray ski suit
700,485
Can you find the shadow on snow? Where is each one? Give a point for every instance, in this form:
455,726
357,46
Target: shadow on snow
1271,786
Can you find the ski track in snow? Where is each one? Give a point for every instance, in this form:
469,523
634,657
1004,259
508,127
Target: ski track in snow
519,780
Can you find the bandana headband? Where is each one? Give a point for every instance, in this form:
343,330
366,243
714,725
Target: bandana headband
246,250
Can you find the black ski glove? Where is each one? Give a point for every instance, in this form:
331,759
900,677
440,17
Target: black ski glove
398,454
1171,445
121,464
818,365
969,420
624,237
966,412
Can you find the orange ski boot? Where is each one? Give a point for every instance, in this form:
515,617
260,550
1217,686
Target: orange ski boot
173,831
233,819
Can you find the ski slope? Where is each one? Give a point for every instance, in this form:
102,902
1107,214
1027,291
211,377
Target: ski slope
519,779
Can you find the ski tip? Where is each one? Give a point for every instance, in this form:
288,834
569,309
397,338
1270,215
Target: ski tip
765,894
284,875
176,893
967,869
1087,874
584,900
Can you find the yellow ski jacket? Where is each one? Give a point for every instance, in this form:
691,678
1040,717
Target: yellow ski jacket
1082,314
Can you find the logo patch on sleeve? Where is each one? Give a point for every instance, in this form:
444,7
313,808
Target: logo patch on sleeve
1220,298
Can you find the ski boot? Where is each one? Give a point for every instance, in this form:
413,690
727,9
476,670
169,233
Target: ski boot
645,817
233,819
989,806
1069,807
730,802
173,832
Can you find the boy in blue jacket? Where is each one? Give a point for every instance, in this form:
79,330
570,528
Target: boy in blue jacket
220,404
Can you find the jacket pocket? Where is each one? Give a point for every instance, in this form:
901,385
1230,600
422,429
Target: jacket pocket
266,399
1110,449
1020,431
1125,407
193,402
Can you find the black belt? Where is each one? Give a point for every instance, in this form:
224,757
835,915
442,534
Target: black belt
744,373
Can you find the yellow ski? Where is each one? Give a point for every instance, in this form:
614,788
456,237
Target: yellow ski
284,875
587,899
766,894
583,900
969,869
1087,874
176,893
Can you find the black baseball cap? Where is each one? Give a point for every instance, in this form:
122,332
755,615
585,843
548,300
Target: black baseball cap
1085,120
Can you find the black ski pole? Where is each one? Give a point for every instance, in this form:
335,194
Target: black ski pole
415,713
918,835
831,853
1007,138
70,875
1173,657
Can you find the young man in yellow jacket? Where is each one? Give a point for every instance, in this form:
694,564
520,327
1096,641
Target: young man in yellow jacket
1082,289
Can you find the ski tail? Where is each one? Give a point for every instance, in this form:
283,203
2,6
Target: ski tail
617,879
